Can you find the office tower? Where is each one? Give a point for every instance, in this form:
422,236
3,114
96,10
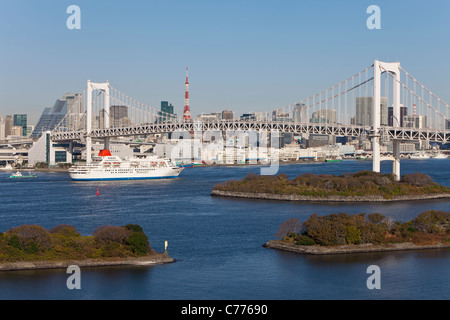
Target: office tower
70,107
2,128
167,112
300,113
20,120
324,116
364,111
403,112
118,116
416,122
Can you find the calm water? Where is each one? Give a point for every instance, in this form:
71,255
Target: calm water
217,242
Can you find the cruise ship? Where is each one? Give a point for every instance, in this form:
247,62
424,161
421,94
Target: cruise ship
114,168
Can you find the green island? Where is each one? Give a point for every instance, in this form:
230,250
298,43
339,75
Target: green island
33,247
358,233
363,186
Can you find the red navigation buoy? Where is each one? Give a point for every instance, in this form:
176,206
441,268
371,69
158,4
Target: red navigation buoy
98,193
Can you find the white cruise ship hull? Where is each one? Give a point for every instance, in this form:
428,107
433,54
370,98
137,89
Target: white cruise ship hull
120,174
114,168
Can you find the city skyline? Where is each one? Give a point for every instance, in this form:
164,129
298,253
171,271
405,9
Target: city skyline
249,57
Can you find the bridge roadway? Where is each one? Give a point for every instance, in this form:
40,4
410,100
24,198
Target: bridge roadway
390,133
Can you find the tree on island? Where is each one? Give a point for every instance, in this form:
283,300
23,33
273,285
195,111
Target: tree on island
344,229
64,242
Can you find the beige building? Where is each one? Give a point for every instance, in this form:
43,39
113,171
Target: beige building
364,111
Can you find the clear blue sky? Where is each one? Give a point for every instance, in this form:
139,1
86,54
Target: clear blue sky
253,55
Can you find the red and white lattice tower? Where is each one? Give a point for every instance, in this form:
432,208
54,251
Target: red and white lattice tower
187,108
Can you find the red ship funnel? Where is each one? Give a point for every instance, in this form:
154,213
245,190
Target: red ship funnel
104,153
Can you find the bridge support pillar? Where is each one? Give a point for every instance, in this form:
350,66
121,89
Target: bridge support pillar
88,149
376,154
396,164
107,144
378,69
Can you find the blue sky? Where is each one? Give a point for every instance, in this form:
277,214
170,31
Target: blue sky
242,55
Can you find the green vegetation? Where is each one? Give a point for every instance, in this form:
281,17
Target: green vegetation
360,184
428,228
64,242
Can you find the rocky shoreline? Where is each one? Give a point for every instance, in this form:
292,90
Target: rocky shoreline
292,197
152,259
348,249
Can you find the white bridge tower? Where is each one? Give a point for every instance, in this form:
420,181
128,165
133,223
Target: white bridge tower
91,86
378,69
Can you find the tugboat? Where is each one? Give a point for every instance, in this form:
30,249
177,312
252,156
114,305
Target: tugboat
18,175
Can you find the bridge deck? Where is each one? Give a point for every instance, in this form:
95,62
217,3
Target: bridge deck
408,134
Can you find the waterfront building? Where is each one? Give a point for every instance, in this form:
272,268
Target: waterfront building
364,111
318,140
44,150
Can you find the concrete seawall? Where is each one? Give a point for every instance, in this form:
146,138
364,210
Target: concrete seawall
153,259
366,248
289,197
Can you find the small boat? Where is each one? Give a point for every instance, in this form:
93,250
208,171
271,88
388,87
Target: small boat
337,159
18,175
186,165
439,156
8,167
420,155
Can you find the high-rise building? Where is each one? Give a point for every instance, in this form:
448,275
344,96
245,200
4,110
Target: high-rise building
281,115
72,105
118,116
2,128
416,122
324,116
227,115
17,131
166,107
300,113
167,112
9,123
20,120
403,112
364,111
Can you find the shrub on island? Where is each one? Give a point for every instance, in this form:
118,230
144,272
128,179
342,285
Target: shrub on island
361,184
64,242
345,229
